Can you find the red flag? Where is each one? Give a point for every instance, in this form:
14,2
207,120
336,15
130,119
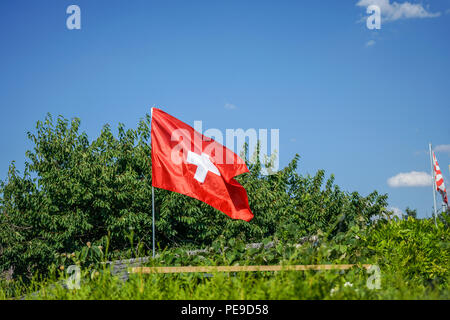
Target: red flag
185,161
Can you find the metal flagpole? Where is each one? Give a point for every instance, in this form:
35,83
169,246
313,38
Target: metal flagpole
446,205
433,184
153,217
153,198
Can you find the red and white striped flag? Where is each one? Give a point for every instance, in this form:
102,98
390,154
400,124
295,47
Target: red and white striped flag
440,186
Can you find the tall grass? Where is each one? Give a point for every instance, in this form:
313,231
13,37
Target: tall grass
288,285
412,255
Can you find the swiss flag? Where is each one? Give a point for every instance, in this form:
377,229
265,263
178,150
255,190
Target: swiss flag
185,161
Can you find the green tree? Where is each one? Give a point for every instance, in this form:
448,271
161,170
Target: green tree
411,213
74,191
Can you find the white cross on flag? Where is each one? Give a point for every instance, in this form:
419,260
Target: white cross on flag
204,165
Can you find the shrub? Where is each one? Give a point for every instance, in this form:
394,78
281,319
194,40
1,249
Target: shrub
74,191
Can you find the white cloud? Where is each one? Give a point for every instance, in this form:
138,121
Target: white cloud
230,106
370,43
395,11
442,148
410,179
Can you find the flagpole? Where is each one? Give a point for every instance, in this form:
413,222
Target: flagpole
153,217
447,205
153,196
433,184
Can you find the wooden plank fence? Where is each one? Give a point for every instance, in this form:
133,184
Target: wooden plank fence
211,269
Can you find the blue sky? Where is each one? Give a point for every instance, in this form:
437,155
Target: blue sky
362,104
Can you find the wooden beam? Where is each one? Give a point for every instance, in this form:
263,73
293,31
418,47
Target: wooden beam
210,269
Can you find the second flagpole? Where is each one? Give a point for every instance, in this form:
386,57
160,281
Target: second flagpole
433,184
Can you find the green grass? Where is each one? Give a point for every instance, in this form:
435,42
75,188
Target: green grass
351,284
413,257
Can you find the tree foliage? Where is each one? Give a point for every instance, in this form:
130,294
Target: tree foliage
74,191
411,213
